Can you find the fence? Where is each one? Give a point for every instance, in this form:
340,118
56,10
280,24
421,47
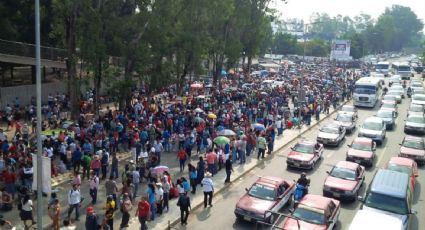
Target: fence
28,50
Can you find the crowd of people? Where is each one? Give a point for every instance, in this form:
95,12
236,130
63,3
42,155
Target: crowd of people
207,129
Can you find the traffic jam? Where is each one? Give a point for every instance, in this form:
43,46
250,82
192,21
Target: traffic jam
386,201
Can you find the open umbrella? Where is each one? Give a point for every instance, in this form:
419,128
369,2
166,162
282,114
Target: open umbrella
221,140
198,120
258,127
212,116
223,72
199,110
196,86
226,132
159,169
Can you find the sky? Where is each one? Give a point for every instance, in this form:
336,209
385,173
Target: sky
304,8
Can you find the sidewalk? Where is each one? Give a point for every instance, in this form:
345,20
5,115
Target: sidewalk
173,216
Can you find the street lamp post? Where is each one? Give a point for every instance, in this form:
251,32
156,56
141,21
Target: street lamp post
38,135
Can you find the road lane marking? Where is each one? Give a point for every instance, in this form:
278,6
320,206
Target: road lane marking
384,151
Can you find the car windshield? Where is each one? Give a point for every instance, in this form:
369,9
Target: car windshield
361,146
393,93
344,118
416,109
416,119
384,114
262,192
400,168
389,98
303,148
309,214
418,98
386,203
413,144
388,105
343,173
363,89
347,109
372,125
329,130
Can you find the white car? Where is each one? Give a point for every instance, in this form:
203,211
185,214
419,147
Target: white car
396,94
373,128
418,99
350,109
415,109
415,123
395,79
331,134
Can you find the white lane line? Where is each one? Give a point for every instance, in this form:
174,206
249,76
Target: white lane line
384,151
329,155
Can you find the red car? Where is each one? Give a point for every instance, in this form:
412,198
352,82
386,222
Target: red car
344,180
404,165
314,212
413,148
305,154
266,194
362,151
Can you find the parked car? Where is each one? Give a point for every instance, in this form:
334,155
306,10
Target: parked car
347,120
388,116
361,151
415,124
416,109
314,212
266,194
413,148
305,154
331,134
344,180
404,165
374,128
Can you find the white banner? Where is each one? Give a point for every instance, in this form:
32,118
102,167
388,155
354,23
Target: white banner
340,49
47,173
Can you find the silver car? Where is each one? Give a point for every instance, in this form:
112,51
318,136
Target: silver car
388,117
415,124
373,128
347,120
416,109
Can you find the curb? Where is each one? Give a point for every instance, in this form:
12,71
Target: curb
172,223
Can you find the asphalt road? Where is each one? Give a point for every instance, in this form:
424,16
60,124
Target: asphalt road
221,215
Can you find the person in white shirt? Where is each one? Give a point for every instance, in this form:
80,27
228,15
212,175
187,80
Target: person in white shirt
279,125
94,186
159,196
208,187
74,200
136,180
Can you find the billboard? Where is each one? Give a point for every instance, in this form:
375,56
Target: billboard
340,50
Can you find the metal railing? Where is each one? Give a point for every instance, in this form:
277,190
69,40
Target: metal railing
28,50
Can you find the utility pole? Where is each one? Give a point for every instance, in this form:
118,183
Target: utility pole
38,135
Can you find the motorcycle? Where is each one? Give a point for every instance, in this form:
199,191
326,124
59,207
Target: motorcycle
404,84
409,92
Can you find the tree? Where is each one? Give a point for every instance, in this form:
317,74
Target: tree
285,43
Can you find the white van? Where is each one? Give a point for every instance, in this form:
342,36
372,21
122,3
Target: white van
365,219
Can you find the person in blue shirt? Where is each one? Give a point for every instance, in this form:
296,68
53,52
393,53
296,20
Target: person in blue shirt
151,199
166,137
76,159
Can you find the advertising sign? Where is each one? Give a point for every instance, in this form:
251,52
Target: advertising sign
340,50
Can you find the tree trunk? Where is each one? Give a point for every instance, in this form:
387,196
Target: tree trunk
97,81
128,74
71,63
249,65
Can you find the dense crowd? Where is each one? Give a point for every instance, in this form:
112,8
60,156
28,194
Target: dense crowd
208,130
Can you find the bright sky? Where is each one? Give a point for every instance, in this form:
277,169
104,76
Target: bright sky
304,8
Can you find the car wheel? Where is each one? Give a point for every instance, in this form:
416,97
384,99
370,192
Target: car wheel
312,165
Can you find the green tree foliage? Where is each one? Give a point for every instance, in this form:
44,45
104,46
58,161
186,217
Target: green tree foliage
284,43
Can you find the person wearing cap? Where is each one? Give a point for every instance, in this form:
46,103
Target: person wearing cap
94,186
208,187
92,220
159,197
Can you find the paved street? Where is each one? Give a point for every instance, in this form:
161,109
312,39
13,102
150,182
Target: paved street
276,166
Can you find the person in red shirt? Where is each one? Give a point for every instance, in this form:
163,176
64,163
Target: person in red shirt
182,156
211,158
142,212
9,179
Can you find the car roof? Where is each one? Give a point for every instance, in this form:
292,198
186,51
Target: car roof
347,165
401,161
416,105
415,115
364,140
306,142
373,119
270,181
317,201
390,183
347,106
332,125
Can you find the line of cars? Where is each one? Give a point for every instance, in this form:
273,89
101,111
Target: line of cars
389,196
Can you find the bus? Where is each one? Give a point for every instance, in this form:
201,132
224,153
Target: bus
383,67
403,69
367,91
